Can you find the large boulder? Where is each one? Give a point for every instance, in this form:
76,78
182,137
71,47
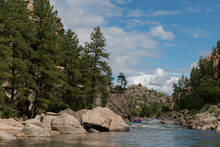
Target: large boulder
79,114
10,126
68,111
47,122
31,130
67,124
6,136
117,105
104,119
11,122
33,121
205,121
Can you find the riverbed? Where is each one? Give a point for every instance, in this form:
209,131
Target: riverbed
150,133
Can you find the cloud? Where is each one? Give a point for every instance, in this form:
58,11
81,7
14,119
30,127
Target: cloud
218,6
138,22
85,13
130,48
136,13
123,1
192,8
163,13
159,80
159,32
199,33
152,13
195,33
169,44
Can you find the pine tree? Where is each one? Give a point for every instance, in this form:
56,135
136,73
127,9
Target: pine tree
47,75
17,31
99,70
122,82
72,67
195,77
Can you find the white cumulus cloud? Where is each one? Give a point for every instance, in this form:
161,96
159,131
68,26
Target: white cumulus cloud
159,32
159,80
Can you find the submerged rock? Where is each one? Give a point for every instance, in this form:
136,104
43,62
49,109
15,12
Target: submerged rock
103,120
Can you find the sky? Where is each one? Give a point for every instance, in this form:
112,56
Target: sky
153,42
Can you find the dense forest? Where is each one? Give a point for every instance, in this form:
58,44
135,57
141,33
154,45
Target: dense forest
203,85
43,67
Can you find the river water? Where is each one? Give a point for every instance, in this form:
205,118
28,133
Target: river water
149,134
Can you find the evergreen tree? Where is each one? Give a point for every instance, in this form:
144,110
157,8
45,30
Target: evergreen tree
122,82
47,75
99,71
195,77
71,64
17,33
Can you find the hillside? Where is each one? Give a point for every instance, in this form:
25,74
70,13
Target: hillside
203,86
141,101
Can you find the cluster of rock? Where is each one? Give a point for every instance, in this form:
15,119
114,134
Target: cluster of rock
66,122
207,119
138,95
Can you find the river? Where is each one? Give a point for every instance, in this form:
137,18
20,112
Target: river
149,134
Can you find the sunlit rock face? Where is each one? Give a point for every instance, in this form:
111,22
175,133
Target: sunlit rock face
104,120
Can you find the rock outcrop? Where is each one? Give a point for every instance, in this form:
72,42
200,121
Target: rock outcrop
206,119
118,105
103,120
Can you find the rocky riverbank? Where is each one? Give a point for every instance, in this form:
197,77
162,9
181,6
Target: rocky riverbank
208,118
65,122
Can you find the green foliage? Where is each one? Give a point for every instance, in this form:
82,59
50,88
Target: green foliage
122,83
154,109
204,85
43,68
98,69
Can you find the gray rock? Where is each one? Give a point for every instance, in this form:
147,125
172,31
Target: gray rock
52,114
117,105
93,131
31,130
67,124
6,136
104,119
79,114
47,121
34,121
68,111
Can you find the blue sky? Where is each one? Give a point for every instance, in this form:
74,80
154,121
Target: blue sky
153,42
